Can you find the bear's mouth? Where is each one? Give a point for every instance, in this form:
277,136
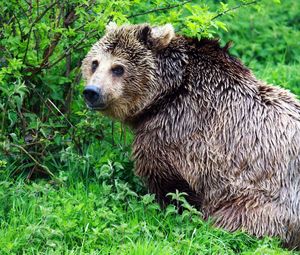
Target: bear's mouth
98,107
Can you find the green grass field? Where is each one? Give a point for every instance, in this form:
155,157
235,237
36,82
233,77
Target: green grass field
98,218
97,206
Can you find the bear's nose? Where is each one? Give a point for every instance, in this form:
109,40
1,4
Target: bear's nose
91,94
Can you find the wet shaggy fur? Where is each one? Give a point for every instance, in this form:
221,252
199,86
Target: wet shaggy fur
206,126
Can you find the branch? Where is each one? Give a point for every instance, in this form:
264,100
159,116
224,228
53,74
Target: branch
35,161
44,13
168,7
19,25
47,65
53,105
234,8
56,108
33,23
70,18
68,51
50,49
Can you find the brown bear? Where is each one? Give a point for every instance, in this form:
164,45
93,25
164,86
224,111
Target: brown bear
203,125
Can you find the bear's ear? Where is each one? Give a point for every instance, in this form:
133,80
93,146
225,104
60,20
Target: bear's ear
162,35
156,37
111,26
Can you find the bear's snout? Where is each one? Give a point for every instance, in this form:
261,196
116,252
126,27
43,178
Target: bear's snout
94,97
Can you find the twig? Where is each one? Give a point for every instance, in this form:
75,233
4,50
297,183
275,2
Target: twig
234,8
22,9
68,51
168,7
19,25
50,49
65,53
31,173
33,23
53,105
56,108
43,13
35,161
27,2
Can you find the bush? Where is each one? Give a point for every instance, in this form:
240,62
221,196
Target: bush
42,43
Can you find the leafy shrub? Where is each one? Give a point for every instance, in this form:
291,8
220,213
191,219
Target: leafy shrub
42,114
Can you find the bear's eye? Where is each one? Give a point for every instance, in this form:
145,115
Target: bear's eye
118,70
95,64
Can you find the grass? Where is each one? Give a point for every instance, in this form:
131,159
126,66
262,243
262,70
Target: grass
98,218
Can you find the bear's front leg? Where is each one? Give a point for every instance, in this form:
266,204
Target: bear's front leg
161,186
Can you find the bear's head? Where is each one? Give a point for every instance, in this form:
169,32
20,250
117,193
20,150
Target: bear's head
120,69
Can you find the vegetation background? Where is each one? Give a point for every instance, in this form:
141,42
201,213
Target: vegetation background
66,179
